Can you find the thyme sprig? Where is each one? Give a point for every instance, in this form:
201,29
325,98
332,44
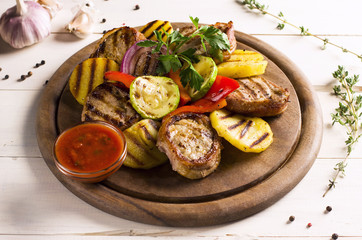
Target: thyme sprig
348,115
254,5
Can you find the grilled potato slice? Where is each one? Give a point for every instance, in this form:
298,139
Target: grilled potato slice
142,151
89,74
158,25
249,134
243,63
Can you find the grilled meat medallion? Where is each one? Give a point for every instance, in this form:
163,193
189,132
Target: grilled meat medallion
258,97
109,102
114,43
191,144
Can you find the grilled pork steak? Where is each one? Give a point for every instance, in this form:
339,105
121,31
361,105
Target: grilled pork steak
258,97
110,103
191,144
114,43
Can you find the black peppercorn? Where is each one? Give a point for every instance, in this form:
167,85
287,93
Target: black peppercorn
42,62
334,236
6,76
328,208
0,69
22,77
104,20
136,7
104,32
37,65
87,5
291,218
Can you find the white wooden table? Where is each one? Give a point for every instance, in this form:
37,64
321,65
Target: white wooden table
35,205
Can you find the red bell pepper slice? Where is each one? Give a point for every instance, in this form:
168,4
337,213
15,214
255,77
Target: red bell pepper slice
184,96
214,98
222,87
200,106
124,78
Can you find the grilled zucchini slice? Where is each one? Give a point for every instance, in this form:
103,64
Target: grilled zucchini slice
154,97
243,64
249,134
88,75
157,25
142,151
206,67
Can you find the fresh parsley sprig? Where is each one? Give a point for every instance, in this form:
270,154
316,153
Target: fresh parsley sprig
347,114
171,57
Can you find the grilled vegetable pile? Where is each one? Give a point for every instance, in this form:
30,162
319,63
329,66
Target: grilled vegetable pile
177,93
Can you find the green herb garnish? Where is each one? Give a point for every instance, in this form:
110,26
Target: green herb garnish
348,115
173,59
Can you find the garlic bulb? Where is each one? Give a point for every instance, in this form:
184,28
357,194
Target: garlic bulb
52,6
83,21
24,24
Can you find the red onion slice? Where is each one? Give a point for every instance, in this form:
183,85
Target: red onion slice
140,61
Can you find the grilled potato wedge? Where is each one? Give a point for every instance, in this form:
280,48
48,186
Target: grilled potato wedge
243,63
158,25
88,75
249,134
142,151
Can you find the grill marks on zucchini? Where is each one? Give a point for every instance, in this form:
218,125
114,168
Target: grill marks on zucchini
89,74
249,134
153,96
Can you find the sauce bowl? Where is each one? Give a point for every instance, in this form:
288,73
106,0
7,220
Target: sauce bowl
90,152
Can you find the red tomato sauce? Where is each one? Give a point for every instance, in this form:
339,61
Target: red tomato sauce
89,148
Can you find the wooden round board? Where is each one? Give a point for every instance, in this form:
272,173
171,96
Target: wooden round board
243,184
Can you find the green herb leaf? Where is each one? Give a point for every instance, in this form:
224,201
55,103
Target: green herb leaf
147,43
169,62
189,76
195,21
190,54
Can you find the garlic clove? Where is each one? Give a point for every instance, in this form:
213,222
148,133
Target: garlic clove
24,24
81,26
52,6
83,22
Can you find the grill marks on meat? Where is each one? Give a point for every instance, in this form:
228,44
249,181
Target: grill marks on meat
258,97
146,63
114,44
191,144
110,103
